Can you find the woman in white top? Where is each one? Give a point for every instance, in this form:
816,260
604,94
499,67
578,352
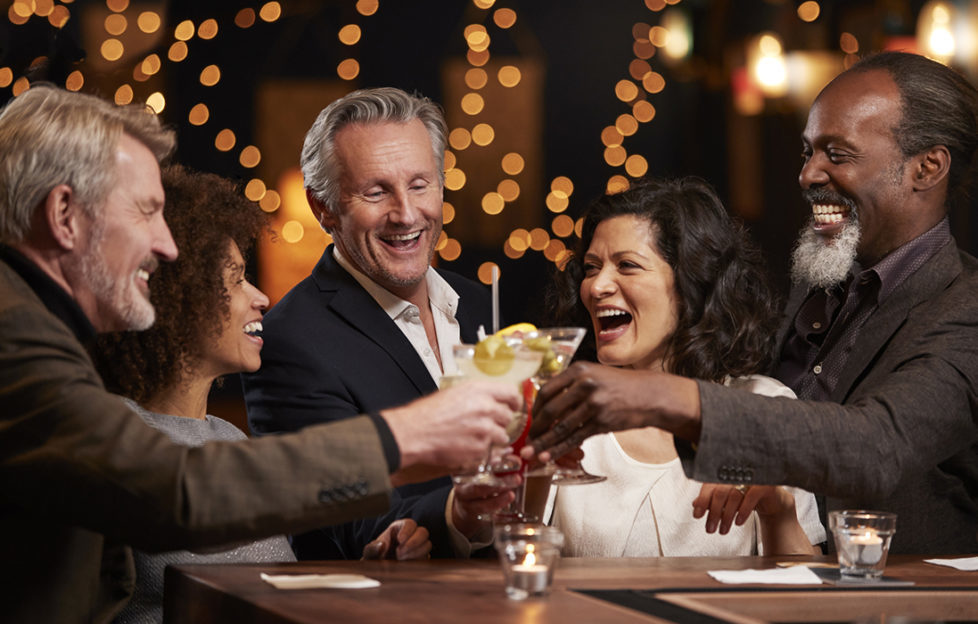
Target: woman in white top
665,280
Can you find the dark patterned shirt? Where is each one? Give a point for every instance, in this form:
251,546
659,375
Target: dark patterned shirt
824,331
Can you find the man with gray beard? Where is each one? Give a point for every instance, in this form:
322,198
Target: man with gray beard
881,338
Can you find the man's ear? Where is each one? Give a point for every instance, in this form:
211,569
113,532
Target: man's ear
323,214
63,215
931,167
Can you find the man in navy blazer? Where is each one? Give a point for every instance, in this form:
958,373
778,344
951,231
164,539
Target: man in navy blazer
881,334
374,324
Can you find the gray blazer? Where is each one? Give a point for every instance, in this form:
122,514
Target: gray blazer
82,477
901,432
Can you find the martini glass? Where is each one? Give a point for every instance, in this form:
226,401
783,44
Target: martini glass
559,345
514,364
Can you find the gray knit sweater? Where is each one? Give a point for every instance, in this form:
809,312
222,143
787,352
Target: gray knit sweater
147,601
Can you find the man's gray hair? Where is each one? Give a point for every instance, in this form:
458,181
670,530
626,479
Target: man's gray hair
49,136
320,167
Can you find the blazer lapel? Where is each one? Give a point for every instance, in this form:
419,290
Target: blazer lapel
348,300
931,278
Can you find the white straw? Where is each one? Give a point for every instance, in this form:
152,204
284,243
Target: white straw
495,299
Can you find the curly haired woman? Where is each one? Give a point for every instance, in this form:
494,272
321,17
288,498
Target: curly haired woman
208,325
665,280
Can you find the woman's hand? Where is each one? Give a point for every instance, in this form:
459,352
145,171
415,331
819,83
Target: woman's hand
732,504
402,540
781,533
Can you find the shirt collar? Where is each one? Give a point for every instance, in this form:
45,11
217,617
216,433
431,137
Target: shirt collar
901,263
440,294
51,294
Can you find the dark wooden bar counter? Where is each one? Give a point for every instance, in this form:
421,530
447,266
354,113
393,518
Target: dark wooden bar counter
675,589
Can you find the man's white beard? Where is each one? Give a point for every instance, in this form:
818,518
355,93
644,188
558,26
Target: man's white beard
822,262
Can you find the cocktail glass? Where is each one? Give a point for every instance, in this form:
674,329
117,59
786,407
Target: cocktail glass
472,365
558,345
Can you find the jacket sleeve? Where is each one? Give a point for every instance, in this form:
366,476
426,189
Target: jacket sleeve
73,452
915,408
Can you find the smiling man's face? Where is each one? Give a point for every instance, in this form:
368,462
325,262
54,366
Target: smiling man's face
854,171
390,212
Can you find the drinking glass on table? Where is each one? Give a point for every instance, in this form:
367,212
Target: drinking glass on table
503,361
558,344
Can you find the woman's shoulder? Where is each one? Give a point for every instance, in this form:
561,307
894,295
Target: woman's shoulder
760,384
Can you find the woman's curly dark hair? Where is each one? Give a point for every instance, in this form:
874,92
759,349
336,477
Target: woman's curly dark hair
728,312
205,213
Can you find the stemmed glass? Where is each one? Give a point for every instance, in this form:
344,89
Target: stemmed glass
515,365
559,345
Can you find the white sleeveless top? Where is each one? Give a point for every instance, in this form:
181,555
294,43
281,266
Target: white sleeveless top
646,510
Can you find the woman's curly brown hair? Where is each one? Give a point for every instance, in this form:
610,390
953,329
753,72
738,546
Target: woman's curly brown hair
205,213
728,312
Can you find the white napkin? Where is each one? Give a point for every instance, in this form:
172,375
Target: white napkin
319,581
968,564
797,575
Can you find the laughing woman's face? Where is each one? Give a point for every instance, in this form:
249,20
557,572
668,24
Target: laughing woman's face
629,291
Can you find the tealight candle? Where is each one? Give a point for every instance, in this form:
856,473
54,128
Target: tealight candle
531,577
862,539
867,547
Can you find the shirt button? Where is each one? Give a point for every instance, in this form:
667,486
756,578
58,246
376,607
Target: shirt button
818,369
816,325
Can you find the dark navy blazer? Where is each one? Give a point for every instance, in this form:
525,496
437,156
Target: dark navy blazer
332,353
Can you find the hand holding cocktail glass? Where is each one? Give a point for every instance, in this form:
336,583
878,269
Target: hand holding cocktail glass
588,399
508,362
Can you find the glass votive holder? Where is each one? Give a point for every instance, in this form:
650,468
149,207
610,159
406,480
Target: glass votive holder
862,539
528,554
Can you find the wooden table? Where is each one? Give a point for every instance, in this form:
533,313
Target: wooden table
451,592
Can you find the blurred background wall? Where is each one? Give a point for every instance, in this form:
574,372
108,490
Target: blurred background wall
549,102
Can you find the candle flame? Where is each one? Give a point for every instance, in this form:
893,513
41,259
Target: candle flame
530,559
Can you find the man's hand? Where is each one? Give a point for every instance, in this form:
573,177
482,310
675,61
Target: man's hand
588,399
453,427
403,539
473,503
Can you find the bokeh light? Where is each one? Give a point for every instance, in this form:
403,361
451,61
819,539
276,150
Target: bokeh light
177,52
472,103
210,76
509,75
476,78
459,139
225,140
148,22
349,34
75,81
292,231
245,18
255,189
156,101
199,114
207,29
270,11
367,7
809,11
483,134
184,31
493,203
504,18
562,225
348,69
250,157
123,95
508,189
112,49
115,24
512,163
